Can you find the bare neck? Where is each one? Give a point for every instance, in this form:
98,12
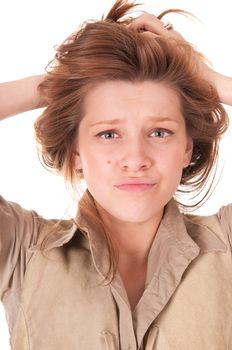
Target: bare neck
134,240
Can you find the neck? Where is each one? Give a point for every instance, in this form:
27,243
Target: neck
134,240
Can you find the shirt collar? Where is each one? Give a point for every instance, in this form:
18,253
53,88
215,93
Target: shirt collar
179,229
185,229
180,237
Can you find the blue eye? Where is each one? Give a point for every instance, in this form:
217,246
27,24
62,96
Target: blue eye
112,134
107,134
161,133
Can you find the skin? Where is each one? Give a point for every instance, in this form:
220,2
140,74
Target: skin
137,146
23,92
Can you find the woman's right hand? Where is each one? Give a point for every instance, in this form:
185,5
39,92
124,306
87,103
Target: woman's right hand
20,96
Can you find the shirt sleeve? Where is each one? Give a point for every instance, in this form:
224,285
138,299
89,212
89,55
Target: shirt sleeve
19,230
225,218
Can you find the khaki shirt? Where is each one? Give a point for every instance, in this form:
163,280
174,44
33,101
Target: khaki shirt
54,299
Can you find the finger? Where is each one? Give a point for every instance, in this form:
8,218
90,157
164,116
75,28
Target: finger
150,34
149,23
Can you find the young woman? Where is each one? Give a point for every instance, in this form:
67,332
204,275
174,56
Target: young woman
133,110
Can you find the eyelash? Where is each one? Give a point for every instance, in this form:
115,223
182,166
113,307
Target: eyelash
114,131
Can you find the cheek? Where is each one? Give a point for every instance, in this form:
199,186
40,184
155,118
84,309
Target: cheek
171,163
180,153
95,166
171,156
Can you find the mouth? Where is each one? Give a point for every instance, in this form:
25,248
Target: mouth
135,185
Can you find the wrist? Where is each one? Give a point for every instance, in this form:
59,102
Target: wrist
38,101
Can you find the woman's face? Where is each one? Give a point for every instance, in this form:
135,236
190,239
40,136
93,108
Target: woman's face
132,132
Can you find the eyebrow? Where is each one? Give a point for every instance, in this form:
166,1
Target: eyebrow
120,121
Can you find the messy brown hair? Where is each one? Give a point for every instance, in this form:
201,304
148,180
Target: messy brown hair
107,50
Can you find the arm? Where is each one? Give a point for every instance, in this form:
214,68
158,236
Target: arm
20,96
222,83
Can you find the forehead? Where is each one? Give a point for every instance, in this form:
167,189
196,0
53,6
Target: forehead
122,99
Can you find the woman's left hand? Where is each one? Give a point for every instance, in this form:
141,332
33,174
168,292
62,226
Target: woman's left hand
151,25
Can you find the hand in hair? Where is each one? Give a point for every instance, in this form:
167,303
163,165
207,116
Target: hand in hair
152,25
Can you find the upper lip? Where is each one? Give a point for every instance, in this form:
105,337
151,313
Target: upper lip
136,181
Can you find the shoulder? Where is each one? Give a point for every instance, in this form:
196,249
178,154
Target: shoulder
219,223
224,216
16,222
10,211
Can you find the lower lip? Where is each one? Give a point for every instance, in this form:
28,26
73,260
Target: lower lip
135,187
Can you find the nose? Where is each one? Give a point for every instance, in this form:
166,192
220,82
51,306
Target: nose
135,156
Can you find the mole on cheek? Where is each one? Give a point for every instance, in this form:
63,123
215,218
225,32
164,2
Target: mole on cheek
108,162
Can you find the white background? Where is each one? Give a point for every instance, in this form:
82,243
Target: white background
29,30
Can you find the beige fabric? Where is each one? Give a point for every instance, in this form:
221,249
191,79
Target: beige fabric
55,300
